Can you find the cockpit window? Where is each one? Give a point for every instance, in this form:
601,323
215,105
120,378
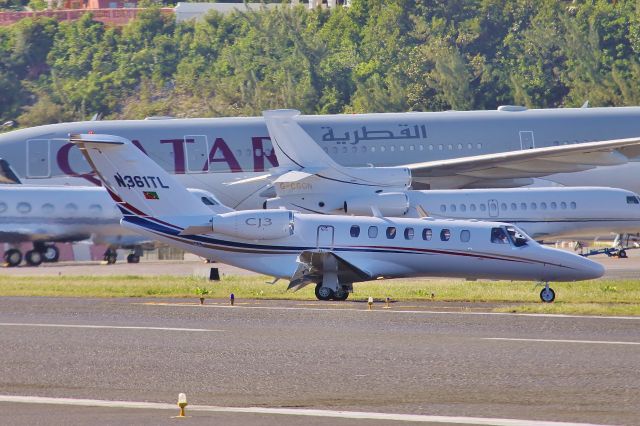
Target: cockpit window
518,237
499,236
632,200
208,201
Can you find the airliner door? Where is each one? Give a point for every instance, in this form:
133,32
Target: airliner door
494,209
197,148
38,164
324,238
526,140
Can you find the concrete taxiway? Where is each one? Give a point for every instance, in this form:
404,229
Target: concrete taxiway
287,357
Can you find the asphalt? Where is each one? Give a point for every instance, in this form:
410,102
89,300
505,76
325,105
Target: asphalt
407,359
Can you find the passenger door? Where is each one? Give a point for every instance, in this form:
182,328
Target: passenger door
494,209
324,238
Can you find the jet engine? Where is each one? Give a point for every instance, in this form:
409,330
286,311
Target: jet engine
255,224
389,204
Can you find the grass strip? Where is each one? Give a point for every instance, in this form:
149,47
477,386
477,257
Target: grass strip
592,293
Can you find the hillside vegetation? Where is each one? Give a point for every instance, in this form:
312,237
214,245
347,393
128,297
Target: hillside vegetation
394,55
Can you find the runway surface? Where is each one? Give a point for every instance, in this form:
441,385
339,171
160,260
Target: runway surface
407,360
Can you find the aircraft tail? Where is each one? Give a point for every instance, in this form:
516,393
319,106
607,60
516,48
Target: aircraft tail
138,185
295,149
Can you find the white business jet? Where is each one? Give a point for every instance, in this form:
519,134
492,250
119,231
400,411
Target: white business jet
331,251
310,181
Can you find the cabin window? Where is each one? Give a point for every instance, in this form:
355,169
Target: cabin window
71,208
23,208
483,207
443,208
430,147
391,232
514,206
450,147
392,148
503,206
460,147
373,149
440,147
463,207
382,148
445,235
355,231
3,207
472,207
373,231
479,146
408,234
499,236
573,205
554,205
411,147
401,147
421,147
47,208
534,206
93,208
427,233
465,236
632,200
469,146
543,206
563,205
452,207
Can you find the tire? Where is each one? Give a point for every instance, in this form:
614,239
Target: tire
341,294
622,254
51,254
34,258
133,258
110,258
323,293
547,295
13,257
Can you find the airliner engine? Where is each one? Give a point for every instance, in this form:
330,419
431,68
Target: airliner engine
389,204
255,224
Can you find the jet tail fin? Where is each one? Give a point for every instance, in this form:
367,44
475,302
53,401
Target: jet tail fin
134,181
295,149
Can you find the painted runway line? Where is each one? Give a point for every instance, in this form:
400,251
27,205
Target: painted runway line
379,308
358,415
110,327
593,342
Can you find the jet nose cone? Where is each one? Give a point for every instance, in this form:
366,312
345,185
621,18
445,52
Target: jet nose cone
593,269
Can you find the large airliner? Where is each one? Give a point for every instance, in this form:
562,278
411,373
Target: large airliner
447,149
331,251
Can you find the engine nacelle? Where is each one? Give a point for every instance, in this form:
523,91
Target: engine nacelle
389,204
255,224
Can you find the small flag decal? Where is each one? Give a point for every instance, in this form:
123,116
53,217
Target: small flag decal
150,195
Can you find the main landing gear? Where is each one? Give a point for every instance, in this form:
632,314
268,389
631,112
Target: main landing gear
41,252
547,295
326,293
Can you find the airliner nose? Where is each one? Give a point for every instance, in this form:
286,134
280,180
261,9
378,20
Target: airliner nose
586,269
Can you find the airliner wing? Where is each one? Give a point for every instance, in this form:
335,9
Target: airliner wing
534,162
310,269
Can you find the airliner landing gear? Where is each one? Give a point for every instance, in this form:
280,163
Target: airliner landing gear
133,258
341,294
13,257
547,295
110,256
34,257
51,253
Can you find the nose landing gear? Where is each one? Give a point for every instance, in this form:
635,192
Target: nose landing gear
547,295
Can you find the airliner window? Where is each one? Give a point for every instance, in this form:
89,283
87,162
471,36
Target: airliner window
632,200
443,208
573,205
563,205
472,207
427,233
3,207
373,231
355,231
452,207
391,232
463,207
483,207
543,206
23,208
408,233
499,236
514,206
523,206
47,208
503,206
554,205
465,236
445,235
518,237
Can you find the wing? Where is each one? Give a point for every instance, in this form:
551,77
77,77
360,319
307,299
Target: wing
514,165
311,266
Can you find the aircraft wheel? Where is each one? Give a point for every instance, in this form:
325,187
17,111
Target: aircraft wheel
547,295
13,257
323,293
622,254
34,257
133,258
51,254
341,294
